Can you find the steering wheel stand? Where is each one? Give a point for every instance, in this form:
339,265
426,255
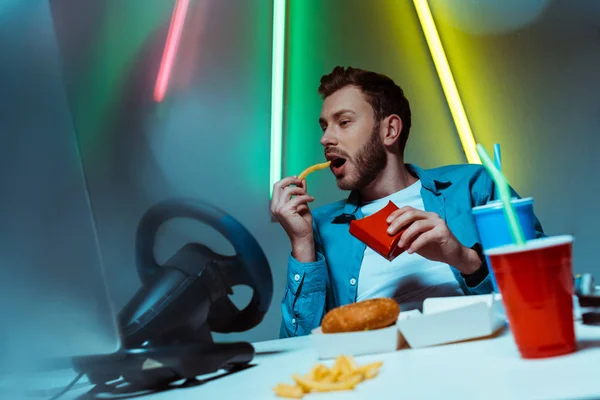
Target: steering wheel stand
140,366
166,327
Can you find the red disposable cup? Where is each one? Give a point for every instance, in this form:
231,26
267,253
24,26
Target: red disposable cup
536,282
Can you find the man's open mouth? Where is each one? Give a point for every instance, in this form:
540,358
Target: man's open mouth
337,163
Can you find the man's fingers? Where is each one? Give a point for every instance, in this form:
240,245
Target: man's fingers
288,192
290,180
278,187
303,185
302,208
422,241
405,219
408,210
396,213
414,230
284,196
275,199
298,201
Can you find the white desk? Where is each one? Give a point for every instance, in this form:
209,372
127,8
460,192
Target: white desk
486,369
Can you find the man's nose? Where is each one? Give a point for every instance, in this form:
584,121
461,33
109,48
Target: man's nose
328,139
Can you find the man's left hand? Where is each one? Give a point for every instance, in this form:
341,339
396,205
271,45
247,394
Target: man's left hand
428,235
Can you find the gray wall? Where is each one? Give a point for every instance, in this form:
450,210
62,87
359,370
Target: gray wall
527,74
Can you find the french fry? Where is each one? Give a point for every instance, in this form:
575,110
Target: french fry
350,361
313,168
371,373
301,384
320,372
326,386
345,367
289,391
336,372
374,365
345,374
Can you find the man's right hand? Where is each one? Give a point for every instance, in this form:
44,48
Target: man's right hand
294,216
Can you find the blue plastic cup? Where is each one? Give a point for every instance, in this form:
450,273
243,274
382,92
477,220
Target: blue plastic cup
493,226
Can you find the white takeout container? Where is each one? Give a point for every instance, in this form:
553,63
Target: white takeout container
452,319
444,320
332,345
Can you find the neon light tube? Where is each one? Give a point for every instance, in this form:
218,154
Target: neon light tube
277,87
447,80
171,46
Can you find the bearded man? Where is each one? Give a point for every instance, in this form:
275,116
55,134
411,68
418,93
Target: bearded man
366,120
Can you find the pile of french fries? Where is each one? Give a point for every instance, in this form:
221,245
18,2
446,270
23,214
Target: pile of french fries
344,375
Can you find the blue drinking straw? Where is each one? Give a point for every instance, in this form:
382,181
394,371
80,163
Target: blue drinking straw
497,158
503,187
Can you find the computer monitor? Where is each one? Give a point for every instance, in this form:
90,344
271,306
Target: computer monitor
53,297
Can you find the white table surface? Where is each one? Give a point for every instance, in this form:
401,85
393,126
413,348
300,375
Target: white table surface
484,369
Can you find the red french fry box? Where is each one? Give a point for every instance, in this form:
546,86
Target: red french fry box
372,231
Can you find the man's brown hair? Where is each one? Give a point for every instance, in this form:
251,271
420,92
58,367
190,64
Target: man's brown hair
381,92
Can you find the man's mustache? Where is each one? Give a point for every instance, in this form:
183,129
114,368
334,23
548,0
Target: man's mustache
337,152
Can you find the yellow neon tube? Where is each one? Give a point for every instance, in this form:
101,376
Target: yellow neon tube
447,80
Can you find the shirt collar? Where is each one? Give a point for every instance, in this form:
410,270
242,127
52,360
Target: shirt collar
430,181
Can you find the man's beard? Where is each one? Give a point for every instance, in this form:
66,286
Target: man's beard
369,162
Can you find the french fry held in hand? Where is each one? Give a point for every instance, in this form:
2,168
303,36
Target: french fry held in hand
313,168
345,374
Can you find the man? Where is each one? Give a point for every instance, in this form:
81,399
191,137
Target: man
366,122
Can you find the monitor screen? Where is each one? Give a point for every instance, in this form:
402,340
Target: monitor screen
53,297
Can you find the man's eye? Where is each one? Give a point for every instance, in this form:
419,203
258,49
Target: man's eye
345,122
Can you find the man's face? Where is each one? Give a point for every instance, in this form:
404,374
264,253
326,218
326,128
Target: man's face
351,139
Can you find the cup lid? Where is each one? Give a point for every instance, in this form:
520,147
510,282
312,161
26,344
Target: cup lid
498,203
530,245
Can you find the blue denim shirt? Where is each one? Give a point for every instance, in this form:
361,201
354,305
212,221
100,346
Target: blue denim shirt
332,280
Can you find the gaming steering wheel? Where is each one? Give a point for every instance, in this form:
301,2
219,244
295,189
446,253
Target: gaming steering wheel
248,267
180,302
195,276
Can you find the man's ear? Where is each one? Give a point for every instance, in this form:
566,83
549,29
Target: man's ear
392,129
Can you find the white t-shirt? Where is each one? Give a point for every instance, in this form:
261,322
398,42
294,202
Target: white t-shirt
409,278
